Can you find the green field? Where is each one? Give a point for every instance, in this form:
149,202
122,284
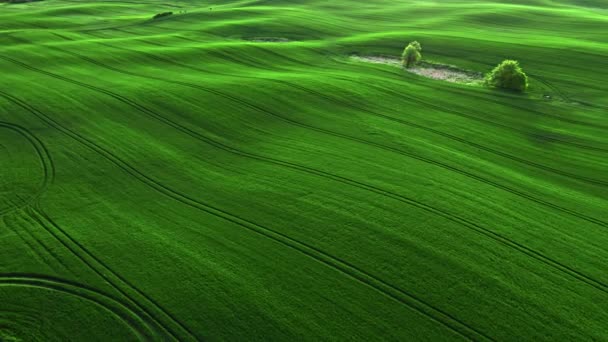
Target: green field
230,173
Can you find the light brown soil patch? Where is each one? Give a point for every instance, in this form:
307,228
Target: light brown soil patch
435,71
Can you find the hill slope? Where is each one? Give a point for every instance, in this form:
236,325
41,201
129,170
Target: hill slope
229,173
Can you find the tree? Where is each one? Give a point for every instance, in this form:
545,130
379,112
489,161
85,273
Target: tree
508,75
416,45
411,54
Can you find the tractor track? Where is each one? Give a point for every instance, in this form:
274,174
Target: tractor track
561,93
565,268
45,159
384,147
17,227
513,191
338,264
251,63
541,79
102,270
27,241
479,229
120,310
456,91
381,88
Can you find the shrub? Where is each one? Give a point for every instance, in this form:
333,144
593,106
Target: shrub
164,14
411,54
416,45
508,75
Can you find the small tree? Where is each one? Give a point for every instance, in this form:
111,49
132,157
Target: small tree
508,75
416,45
411,54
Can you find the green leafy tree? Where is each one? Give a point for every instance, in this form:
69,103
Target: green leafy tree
411,54
416,45
508,75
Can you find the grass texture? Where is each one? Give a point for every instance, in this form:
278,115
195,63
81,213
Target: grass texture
230,173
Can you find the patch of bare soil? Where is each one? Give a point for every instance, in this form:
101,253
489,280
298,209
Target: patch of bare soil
443,72
378,60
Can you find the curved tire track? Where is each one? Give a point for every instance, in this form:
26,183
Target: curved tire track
46,161
557,117
495,236
479,118
102,270
524,249
381,146
338,264
464,222
121,311
251,63
23,231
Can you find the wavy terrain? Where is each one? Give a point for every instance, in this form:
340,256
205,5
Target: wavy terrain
229,172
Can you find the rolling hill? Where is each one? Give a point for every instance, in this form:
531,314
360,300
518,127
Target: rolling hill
229,172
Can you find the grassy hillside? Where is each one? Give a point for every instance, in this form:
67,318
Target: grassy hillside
183,179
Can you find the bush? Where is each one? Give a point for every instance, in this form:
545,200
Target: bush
411,54
508,75
164,14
